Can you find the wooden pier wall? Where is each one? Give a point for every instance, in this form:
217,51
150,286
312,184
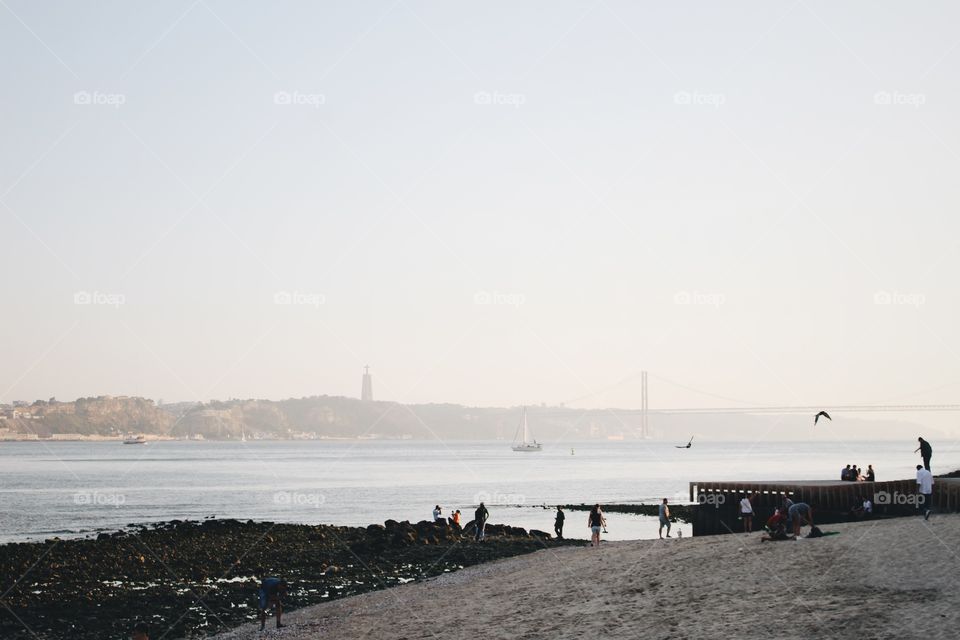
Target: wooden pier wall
718,503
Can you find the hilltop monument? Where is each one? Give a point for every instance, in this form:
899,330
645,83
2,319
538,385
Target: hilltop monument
366,393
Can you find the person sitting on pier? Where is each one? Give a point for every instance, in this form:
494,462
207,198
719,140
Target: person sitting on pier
871,476
845,473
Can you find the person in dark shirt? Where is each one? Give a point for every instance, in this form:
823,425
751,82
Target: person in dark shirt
871,476
926,452
270,594
480,519
558,524
845,473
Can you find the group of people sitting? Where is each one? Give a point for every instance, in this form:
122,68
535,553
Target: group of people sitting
853,473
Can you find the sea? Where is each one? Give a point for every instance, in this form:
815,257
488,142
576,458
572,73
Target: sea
78,489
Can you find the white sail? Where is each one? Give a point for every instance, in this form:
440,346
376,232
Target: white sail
526,443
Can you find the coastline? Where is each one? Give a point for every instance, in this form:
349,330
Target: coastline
196,578
881,579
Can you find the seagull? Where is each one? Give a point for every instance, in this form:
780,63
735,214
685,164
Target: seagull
816,418
685,446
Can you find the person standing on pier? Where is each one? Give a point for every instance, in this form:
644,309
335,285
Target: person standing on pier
925,489
664,514
558,523
926,452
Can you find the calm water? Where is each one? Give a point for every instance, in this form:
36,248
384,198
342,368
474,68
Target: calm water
77,488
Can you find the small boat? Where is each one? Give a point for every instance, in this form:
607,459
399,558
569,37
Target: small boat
526,444
130,439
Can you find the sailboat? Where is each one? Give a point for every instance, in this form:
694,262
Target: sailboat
526,444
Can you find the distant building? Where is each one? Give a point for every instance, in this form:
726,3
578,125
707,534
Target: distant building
366,393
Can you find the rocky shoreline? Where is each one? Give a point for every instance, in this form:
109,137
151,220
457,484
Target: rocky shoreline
196,578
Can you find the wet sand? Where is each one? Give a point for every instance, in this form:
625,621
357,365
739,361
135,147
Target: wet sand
880,579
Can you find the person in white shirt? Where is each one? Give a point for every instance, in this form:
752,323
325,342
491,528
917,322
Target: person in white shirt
746,512
436,513
925,489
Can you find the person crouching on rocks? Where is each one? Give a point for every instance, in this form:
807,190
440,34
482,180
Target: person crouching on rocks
271,594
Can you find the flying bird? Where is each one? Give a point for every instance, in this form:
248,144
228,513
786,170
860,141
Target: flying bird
816,418
685,446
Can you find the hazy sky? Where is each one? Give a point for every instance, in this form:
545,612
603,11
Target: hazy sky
492,204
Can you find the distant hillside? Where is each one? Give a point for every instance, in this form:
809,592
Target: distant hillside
104,415
340,417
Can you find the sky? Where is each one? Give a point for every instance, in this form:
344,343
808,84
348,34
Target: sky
489,204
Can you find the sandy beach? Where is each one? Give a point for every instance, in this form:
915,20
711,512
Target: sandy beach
878,579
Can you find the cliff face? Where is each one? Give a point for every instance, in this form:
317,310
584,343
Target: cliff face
104,415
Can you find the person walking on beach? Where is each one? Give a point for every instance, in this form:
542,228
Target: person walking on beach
480,519
746,512
270,594
596,522
926,452
925,489
800,513
558,523
664,515
140,632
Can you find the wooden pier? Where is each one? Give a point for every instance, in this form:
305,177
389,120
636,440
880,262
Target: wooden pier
718,503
